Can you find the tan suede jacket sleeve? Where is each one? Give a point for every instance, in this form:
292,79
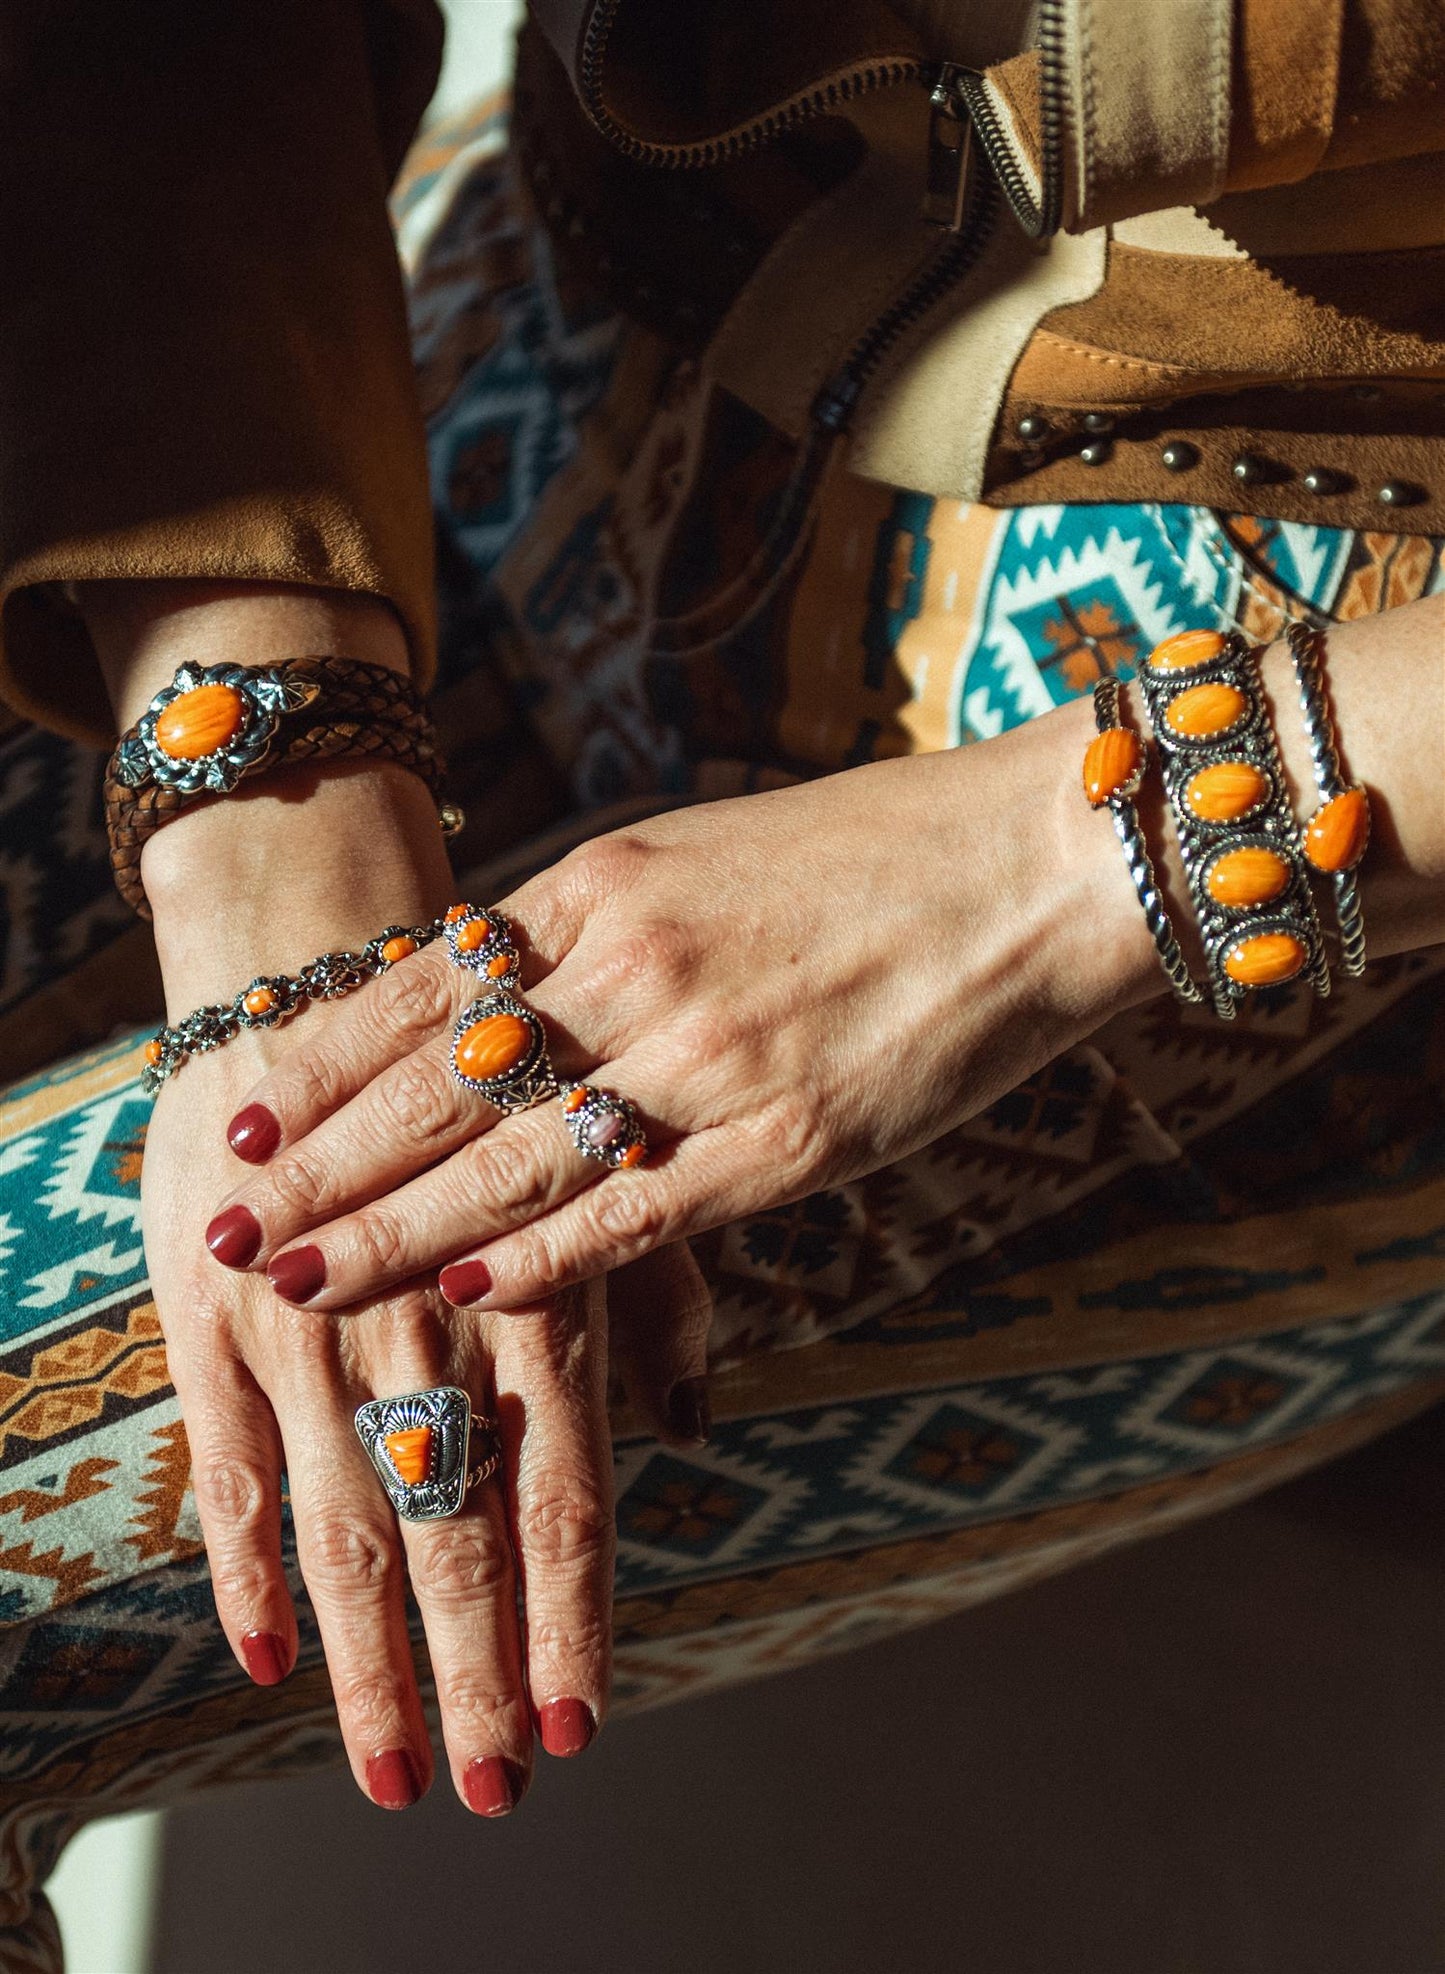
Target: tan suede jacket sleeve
204,363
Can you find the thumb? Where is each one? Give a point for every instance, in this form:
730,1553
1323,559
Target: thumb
659,1311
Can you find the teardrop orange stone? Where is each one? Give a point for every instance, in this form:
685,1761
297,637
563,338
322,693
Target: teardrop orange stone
200,722
1265,960
1336,835
1186,650
492,1046
410,1453
1225,791
1204,710
1247,876
574,1100
1112,765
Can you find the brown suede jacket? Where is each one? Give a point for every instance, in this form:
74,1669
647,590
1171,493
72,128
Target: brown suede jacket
1177,249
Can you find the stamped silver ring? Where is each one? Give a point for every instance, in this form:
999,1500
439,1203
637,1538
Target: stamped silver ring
603,1125
428,1447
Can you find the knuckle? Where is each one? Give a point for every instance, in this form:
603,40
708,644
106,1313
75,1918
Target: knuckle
419,1096
380,1243
232,1492
503,1170
583,1637
454,1567
607,865
318,1081
369,1696
417,1000
631,1217
658,955
791,1133
299,1183
348,1556
467,1695
239,1583
565,1525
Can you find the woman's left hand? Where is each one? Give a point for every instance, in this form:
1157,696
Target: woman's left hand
793,988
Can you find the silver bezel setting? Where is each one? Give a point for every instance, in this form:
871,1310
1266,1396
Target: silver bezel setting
500,943
1245,816
531,1080
1222,670
448,1411
265,696
602,1103
1261,927
1247,840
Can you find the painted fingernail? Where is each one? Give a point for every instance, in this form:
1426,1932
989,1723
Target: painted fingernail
492,1786
253,1134
566,1726
393,1780
297,1274
265,1655
688,1411
234,1236
464,1282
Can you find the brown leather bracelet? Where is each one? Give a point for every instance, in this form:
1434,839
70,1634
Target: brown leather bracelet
214,726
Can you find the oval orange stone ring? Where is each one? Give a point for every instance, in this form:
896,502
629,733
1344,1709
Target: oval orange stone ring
499,1047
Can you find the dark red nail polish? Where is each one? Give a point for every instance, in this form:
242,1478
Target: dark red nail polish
689,1412
266,1657
253,1134
234,1236
297,1274
566,1726
393,1780
464,1282
492,1786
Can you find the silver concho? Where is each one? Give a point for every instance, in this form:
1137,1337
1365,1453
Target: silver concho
265,696
445,1412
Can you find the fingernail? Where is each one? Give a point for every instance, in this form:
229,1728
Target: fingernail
492,1786
253,1134
297,1274
688,1411
393,1780
464,1282
265,1655
566,1726
234,1236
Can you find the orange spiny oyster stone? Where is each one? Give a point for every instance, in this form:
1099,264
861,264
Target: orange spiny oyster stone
472,936
410,1453
398,948
1187,650
1266,959
454,912
1225,791
1113,762
574,1100
200,722
153,1051
260,1000
1335,835
499,965
1248,876
1204,710
493,1046
634,1155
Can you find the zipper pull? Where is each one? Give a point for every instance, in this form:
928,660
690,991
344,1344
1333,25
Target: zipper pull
950,152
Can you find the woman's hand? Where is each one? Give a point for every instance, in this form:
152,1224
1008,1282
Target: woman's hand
793,988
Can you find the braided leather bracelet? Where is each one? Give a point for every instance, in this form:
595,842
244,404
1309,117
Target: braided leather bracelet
213,726
274,997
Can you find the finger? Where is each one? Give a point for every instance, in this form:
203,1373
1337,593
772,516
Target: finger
466,1589
522,1168
236,1477
416,1000
551,1376
659,1311
350,1553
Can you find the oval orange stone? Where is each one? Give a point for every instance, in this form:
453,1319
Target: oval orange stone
153,1051
1247,876
1225,791
410,1453
200,722
473,935
454,912
1113,762
1204,710
398,949
1186,650
1265,960
499,965
493,1046
1336,835
260,1000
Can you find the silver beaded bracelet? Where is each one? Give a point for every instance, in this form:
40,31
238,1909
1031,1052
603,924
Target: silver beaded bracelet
275,997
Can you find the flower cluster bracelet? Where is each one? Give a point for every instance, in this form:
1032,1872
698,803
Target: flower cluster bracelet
274,997
1248,862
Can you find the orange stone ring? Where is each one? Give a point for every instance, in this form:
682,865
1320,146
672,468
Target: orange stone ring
499,1047
428,1448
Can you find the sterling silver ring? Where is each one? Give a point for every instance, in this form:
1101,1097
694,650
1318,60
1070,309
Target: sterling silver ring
428,1447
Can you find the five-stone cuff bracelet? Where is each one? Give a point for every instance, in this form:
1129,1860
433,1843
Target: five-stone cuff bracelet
216,725
1247,862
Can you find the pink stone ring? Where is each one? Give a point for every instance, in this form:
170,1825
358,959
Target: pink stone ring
603,1126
